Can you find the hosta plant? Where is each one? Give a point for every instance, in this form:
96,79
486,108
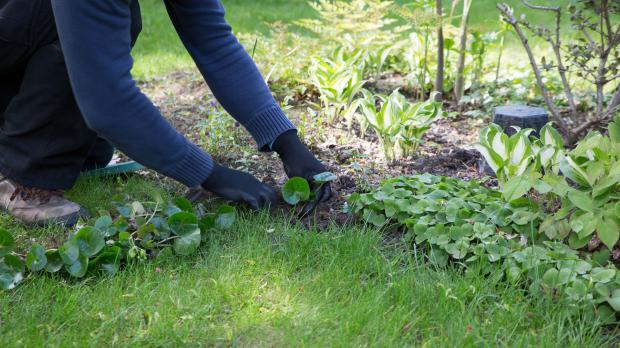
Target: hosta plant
338,81
398,123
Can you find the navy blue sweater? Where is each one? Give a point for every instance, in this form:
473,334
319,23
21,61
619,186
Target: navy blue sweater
94,36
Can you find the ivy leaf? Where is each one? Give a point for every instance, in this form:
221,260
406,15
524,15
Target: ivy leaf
36,259
69,252
11,272
106,226
79,267
89,240
6,242
296,190
54,261
608,233
226,216
324,177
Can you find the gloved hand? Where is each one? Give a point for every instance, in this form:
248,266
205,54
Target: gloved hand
299,161
242,187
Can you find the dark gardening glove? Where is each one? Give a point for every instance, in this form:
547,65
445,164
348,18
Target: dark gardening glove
242,187
299,161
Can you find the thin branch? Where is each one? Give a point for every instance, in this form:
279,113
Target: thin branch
539,7
510,19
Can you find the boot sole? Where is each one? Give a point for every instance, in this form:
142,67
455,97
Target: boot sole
66,221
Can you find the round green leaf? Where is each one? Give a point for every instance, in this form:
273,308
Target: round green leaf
324,177
54,261
296,190
226,216
106,226
188,243
183,223
79,267
6,242
608,232
107,262
89,240
36,259
184,204
11,272
69,251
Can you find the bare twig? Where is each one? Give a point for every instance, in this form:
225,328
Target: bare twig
460,78
510,19
539,7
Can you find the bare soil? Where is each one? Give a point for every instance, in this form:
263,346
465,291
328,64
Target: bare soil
357,161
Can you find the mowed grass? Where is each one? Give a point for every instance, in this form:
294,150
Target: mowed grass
268,282
159,50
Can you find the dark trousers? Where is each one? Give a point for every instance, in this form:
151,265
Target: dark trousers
44,141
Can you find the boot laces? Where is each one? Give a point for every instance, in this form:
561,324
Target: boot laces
34,193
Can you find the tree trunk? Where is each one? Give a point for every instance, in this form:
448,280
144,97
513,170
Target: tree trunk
460,78
440,54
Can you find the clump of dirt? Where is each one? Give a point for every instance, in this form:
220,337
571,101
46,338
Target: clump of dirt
357,161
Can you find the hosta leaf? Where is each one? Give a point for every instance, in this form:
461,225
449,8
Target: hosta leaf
608,233
36,259
574,172
492,158
6,242
516,187
581,200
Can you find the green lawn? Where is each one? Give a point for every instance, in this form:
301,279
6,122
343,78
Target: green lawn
269,282
159,50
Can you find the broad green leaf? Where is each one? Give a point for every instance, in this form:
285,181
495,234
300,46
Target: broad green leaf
36,259
226,216
325,177
516,187
574,172
602,275
296,190
6,242
106,226
69,251
581,200
183,223
187,243
491,157
11,272
54,261
184,204
614,132
608,232
79,267
90,241
107,262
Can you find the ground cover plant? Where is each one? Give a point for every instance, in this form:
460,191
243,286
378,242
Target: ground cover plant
417,248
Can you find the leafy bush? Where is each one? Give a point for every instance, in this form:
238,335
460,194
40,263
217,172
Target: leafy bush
450,219
398,123
583,200
102,248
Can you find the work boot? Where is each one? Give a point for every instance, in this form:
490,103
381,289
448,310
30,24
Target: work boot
35,206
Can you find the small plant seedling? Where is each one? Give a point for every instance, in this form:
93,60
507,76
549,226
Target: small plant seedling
296,190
